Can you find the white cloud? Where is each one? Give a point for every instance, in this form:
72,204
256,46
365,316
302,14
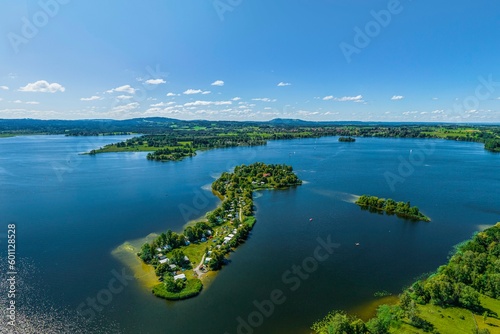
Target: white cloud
264,99
438,111
206,92
124,97
42,86
218,83
28,102
162,104
92,98
123,89
357,98
4,88
237,98
435,98
155,81
195,91
207,103
283,84
397,97
126,107
307,113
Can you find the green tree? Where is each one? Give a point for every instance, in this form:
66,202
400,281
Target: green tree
177,257
146,253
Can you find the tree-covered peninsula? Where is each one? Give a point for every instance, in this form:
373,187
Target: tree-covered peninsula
401,209
181,259
462,296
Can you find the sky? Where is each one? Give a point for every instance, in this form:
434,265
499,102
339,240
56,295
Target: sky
323,60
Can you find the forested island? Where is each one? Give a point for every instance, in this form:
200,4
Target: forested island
462,296
389,206
347,139
180,259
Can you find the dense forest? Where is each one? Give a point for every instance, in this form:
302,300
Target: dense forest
401,209
224,229
464,293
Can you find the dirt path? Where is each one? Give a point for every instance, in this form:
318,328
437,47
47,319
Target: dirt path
197,270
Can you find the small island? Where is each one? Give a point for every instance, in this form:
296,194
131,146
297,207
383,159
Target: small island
180,260
347,139
400,209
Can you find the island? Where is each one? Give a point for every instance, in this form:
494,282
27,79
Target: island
347,139
462,296
180,260
389,206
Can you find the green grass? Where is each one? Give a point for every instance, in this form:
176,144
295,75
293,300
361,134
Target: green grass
137,148
192,289
250,220
492,322
450,320
454,320
6,135
195,252
453,133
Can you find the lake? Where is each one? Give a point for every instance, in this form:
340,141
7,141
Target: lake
71,211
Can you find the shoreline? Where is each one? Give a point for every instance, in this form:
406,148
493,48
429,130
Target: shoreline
126,254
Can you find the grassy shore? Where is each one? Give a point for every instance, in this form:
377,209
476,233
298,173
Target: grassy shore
192,289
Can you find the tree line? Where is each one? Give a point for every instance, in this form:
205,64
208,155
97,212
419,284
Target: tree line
401,209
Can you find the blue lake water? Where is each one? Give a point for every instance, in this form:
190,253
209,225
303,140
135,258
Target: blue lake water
72,210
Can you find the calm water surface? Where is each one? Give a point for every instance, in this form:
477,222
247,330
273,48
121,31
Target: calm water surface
72,210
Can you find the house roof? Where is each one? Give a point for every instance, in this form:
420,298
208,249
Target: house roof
180,276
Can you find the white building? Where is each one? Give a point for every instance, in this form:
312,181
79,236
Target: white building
180,276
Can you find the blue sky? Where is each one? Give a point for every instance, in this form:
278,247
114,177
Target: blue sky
251,60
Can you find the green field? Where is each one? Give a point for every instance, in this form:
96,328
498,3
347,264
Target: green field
192,289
